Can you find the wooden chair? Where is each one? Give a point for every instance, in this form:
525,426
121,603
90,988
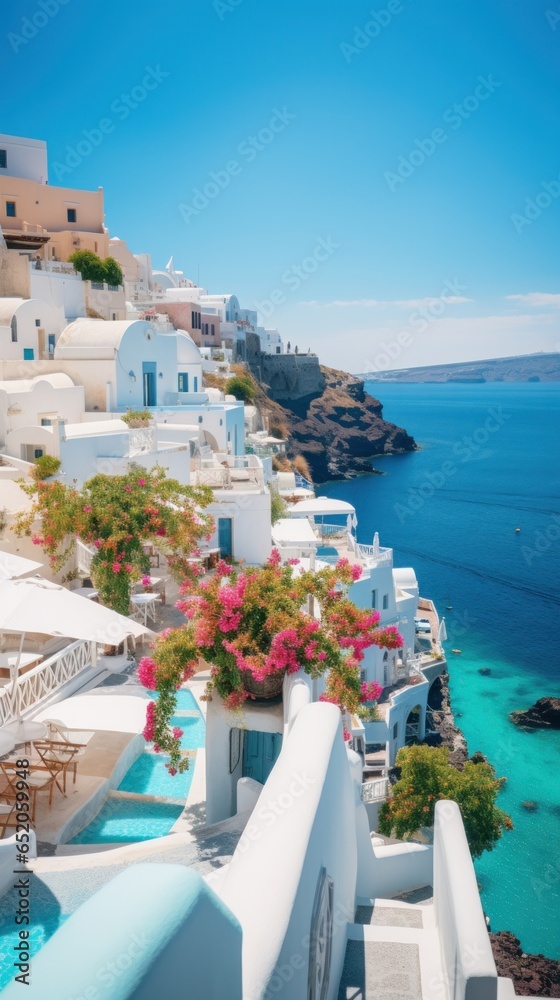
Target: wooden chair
39,779
8,817
58,757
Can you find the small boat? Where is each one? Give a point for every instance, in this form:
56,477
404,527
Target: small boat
517,530
456,650
449,607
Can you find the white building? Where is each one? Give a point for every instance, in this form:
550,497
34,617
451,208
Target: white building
29,329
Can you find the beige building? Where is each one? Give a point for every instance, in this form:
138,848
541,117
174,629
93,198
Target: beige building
50,222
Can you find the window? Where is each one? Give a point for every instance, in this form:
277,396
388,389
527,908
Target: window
374,598
11,209
193,319
114,315
71,214
51,343
212,330
14,330
3,159
28,354
385,601
183,380
395,730
46,422
38,452
37,322
195,380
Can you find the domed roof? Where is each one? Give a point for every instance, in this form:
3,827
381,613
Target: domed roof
187,351
96,338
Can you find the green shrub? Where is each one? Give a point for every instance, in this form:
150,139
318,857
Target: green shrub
45,466
137,418
241,387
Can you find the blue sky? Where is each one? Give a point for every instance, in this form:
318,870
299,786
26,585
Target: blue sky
369,180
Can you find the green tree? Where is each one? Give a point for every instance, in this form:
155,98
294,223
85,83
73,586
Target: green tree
278,506
426,776
89,265
241,387
113,271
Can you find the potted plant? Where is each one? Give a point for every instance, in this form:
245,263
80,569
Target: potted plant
250,626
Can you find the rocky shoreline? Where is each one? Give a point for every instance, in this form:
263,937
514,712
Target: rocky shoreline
544,714
533,975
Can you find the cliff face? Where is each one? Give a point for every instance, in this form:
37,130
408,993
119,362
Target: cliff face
339,428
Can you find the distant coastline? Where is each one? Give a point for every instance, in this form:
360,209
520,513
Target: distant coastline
522,368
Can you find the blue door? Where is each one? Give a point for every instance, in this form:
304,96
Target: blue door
260,753
225,537
149,382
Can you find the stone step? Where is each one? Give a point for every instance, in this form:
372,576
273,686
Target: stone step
380,970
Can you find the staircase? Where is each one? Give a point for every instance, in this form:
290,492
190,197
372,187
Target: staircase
393,953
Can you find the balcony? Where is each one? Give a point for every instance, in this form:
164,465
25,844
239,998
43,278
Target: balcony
243,473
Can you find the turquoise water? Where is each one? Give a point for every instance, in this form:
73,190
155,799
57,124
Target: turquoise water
123,821
488,464
186,700
44,926
194,730
149,776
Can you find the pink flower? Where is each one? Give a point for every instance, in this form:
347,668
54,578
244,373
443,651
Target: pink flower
146,580
223,568
177,733
88,509
116,567
141,482
37,540
274,558
172,770
371,691
128,489
346,735
356,572
161,531
293,562
147,675
128,567
98,543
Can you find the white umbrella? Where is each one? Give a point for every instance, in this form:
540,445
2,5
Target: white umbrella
376,545
12,566
35,605
442,633
320,506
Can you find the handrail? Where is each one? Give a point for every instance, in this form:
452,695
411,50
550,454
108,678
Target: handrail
32,688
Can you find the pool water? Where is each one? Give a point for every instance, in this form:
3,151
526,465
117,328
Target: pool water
327,553
194,730
125,821
39,934
149,776
185,700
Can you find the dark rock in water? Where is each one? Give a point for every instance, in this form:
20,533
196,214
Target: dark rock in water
533,975
443,723
531,807
489,694
544,714
485,671
479,758
555,810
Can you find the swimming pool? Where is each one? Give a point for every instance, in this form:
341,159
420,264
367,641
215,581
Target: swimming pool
149,776
328,553
194,730
126,821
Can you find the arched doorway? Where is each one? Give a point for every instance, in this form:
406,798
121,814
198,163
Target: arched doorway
412,726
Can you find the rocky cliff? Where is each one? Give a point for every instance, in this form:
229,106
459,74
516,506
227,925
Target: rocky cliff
338,429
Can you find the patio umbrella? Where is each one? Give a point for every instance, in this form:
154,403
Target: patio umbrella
35,605
376,545
321,506
442,633
12,566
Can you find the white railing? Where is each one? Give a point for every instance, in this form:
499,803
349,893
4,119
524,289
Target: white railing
38,684
141,439
379,557
375,791
54,265
216,477
84,556
330,529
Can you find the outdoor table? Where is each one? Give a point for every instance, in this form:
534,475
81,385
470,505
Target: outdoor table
90,592
210,556
9,659
157,585
147,604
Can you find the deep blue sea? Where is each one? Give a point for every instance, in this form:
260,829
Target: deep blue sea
488,463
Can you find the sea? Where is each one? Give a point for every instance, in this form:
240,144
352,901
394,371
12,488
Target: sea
487,465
